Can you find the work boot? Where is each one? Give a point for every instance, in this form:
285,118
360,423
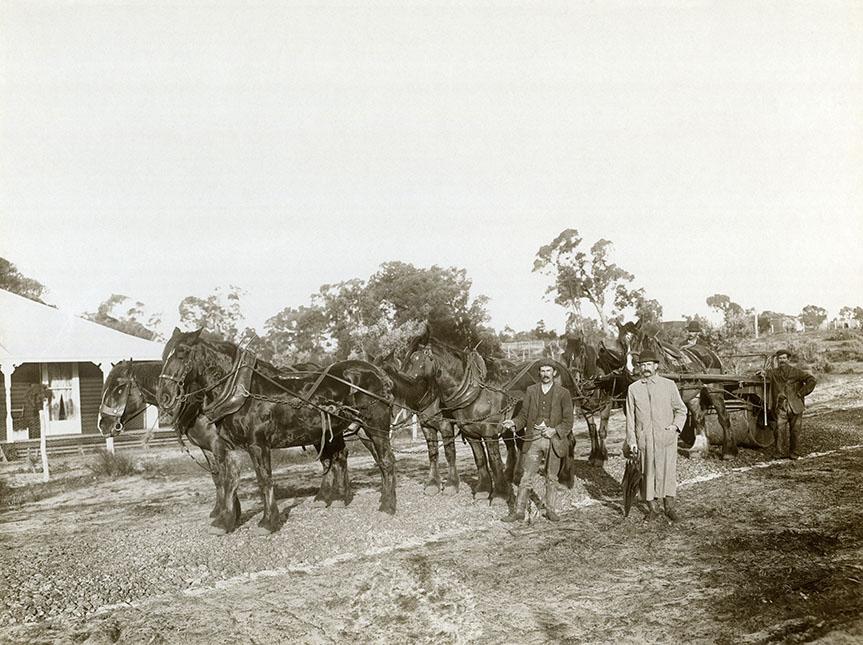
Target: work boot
551,515
670,512
517,514
653,511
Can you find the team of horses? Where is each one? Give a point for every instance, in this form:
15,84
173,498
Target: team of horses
221,397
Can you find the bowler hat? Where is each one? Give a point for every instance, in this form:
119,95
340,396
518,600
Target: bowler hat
648,355
784,350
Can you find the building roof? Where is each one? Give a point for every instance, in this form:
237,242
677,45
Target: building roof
31,332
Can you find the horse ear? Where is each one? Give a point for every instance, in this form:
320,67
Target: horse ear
619,326
176,333
113,365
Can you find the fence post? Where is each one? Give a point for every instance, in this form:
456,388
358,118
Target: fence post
43,444
109,444
414,428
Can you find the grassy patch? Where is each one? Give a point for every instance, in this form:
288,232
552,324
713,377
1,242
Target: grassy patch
112,464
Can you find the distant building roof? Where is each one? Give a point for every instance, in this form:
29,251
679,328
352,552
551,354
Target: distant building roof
31,332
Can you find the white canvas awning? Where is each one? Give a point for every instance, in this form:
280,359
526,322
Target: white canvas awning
31,332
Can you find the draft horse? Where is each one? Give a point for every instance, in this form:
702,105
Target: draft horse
465,398
418,394
698,395
258,408
600,384
130,387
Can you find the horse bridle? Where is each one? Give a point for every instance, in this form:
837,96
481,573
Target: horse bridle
179,380
118,411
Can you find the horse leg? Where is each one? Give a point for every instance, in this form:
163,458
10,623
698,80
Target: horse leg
378,443
696,414
483,479
508,437
448,437
229,479
432,486
213,465
729,444
502,489
335,484
324,496
594,439
604,416
270,522
205,435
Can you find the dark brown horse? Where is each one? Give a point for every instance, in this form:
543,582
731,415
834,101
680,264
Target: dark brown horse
130,387
257,407
600,384
699,394
418,394
466,399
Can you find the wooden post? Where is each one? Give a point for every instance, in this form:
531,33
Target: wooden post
109,444
43,444
756,323
414,427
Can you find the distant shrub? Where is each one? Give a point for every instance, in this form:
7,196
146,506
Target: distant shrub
844,334
110,464
828,367
4,492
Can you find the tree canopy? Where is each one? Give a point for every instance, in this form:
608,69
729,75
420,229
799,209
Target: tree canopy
219,313
121,313
590,277
13,280
370,317
812,316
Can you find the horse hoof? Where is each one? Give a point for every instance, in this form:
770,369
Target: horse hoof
389,510
431,489
338,503
497,501
262,530
319,503
450,491
216,530
215,512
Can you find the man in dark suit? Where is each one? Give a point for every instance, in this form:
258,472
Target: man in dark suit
546,417
788,386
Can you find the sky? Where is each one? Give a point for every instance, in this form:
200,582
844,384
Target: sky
161,149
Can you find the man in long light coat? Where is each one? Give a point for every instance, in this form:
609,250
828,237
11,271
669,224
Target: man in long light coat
655,415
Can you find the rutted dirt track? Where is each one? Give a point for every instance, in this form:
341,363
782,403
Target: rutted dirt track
763,554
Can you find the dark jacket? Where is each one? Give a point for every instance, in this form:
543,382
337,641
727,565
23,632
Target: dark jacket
792,384
559,418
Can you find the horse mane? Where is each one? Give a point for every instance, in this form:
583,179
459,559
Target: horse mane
144,373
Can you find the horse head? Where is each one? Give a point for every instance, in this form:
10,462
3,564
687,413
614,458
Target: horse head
631,338
179,368
121,400
421,364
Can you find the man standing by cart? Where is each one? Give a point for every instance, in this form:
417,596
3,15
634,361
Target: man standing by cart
788,386
655,415
546,417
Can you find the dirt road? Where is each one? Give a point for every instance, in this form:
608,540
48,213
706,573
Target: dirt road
766,552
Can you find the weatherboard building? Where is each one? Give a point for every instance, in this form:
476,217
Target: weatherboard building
40,345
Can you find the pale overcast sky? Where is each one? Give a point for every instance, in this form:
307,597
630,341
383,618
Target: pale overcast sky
160,149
